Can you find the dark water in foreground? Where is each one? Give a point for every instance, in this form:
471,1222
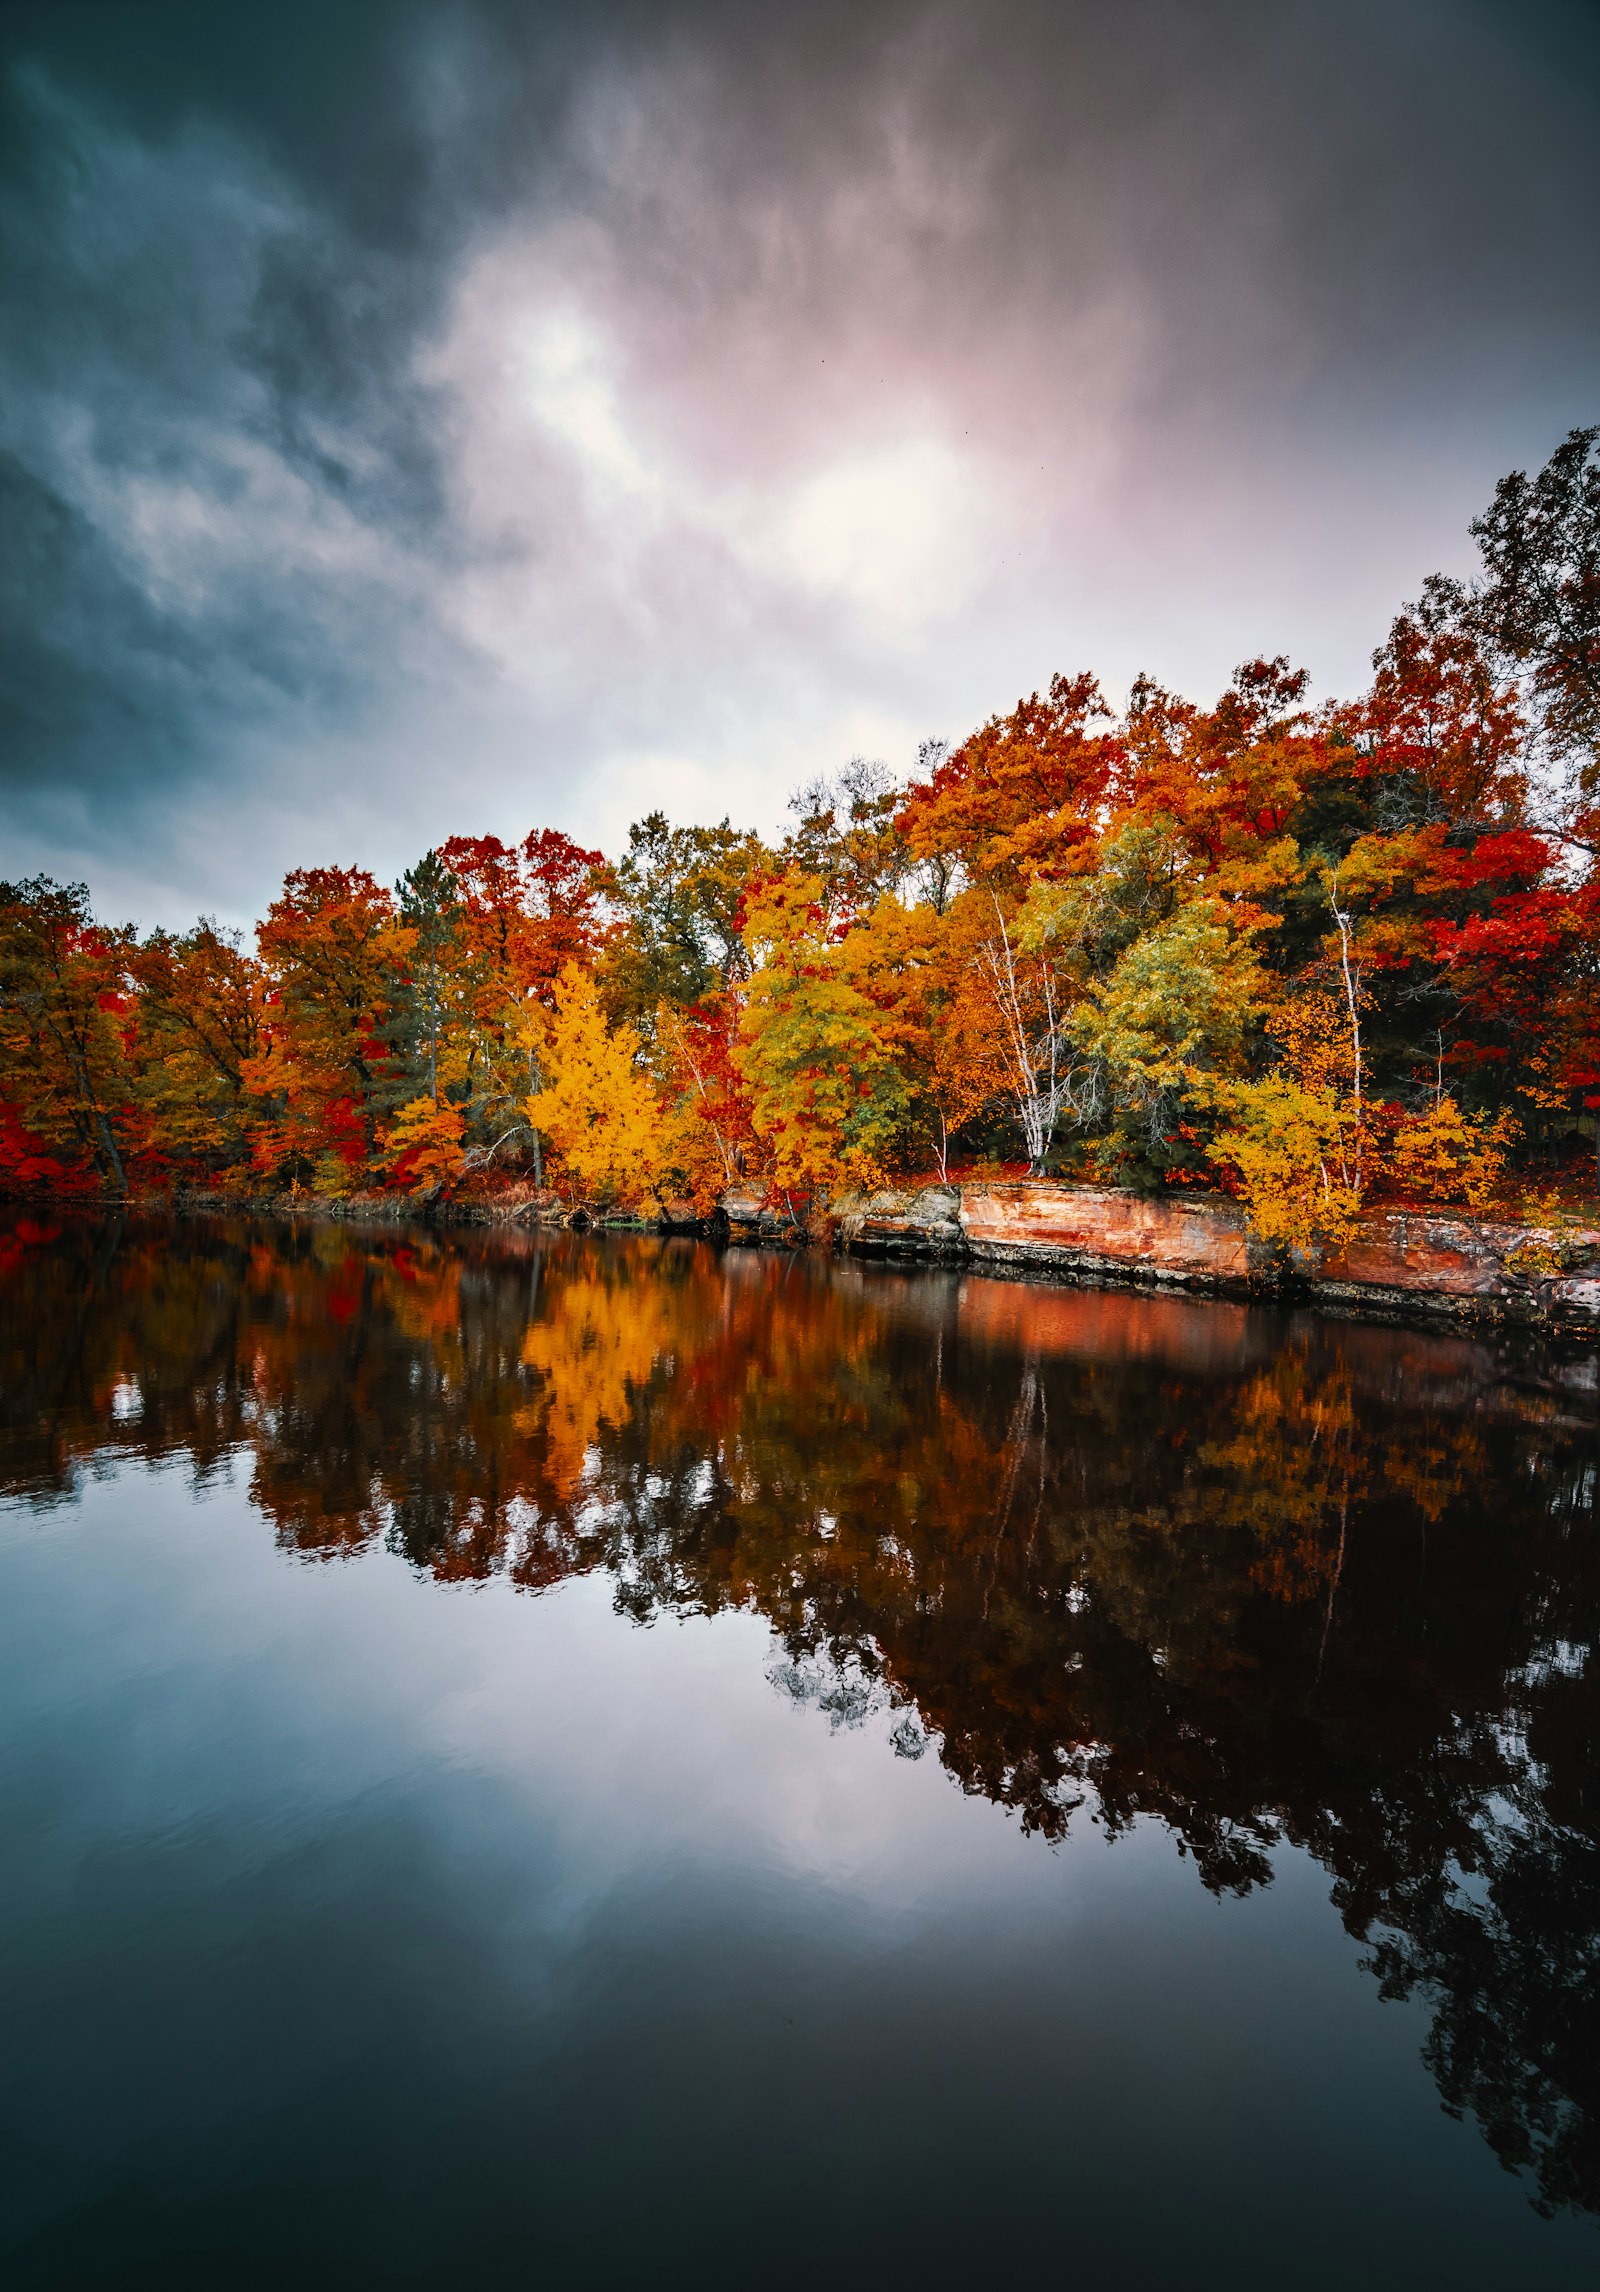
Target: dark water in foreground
568,1762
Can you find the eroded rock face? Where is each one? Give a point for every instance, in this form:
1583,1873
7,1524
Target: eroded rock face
753,1218
915,1222
1190,1241
1396,1262
1482,1267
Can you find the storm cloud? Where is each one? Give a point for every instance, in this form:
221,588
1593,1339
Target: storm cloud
427,419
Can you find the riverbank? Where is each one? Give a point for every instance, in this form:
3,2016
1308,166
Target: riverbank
1438,1266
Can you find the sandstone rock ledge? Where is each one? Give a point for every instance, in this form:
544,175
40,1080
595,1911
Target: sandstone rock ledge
1398,1264
921,1222
1468,1268
751,1217
1185,1241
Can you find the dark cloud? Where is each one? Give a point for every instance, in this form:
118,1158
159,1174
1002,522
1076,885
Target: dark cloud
419,417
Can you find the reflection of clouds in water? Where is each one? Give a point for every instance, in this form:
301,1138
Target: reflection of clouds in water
836,1687
597,1910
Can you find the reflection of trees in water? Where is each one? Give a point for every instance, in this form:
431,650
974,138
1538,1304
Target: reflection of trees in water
1263,1581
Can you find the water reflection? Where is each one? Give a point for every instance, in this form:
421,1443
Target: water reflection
1105,1557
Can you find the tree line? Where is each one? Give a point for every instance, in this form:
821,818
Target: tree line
1313,955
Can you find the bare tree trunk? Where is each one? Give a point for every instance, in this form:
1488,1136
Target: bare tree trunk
538,1149
728,1169
1352,997
1038,1101
95,1111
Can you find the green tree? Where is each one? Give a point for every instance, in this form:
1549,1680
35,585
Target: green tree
848,834
64,1021
826,1093
427,1027
1173,1018
1539,600
679,895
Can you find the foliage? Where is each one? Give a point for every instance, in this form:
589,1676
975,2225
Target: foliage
1539,601
1173,1016
826,1096
423,1147
1293,1152
678,896
428,1029
708,1141
329,945
597,1108
1443,1155
63,1041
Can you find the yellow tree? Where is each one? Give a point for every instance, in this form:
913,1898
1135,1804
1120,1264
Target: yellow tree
1290,1148
597,1109
826,1094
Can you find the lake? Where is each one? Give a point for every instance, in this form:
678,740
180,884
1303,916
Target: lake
577,1760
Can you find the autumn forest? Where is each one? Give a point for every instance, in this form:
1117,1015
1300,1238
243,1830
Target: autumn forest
1310,955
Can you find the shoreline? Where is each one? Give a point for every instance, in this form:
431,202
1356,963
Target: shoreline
1435,1268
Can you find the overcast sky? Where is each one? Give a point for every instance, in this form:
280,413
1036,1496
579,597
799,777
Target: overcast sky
420,419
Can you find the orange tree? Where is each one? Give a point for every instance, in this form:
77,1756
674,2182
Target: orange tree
527,911
330,945
201,1020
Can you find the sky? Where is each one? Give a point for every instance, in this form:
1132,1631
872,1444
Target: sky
422,417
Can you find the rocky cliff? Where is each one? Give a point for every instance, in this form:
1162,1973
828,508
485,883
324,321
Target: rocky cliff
1397,1261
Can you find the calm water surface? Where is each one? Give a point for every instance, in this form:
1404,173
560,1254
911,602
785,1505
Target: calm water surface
550,1761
